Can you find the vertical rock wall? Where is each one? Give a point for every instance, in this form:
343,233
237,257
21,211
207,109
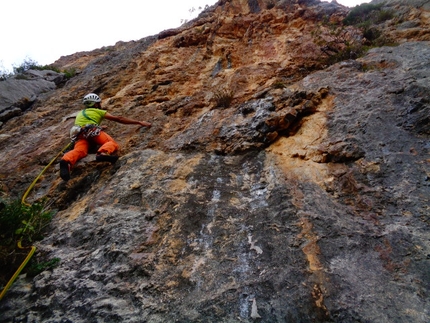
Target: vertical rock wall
306,202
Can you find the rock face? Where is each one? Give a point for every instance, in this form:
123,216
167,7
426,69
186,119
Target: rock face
271,187
17,94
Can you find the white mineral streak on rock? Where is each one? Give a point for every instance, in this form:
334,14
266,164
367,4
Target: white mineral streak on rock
253,246
254,310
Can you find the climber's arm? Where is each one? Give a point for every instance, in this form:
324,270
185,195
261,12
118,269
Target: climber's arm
125,120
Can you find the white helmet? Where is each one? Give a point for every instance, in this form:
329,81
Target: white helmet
90,99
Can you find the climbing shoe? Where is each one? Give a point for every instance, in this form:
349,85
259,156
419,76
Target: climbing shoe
65,170
101,157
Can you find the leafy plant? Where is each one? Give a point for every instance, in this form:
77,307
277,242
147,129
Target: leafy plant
4,76
26,65
367,13
69,73
22,222
344,42
36,268
21,77
223,98
279,85
4,73
348,51
339,44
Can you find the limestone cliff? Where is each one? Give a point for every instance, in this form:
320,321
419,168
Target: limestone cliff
274,186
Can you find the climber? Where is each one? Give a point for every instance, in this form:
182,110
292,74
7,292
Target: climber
87,131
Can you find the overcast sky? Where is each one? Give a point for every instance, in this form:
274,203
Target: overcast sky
45,30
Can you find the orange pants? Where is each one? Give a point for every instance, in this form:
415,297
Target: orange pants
108,145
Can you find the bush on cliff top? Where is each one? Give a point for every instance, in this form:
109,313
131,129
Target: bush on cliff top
30,64
368,14
343,44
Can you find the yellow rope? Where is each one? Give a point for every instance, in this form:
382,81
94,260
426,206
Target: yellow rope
27,259
41,173
33,248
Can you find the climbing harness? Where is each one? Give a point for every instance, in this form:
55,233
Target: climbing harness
33,248
89,130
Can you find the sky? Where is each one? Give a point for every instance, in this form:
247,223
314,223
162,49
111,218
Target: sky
44,30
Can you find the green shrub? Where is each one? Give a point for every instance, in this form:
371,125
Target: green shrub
4,74
367,13
384,15
69,73
341,45
26,65
21,77
36,267
348,52
30,64
22,222
279,85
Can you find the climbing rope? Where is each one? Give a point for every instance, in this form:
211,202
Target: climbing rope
41,173
26,260
33,248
